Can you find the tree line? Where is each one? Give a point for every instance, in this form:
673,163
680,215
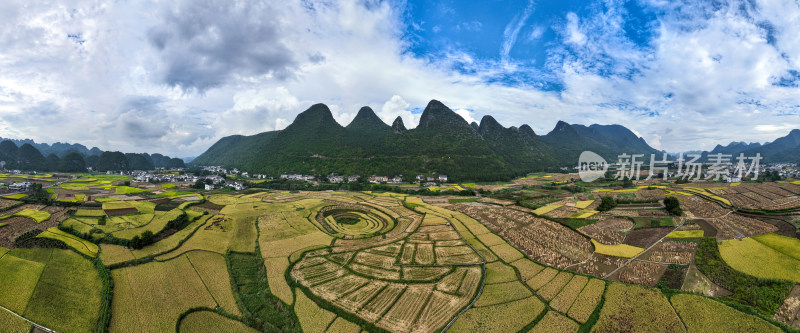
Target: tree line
28,158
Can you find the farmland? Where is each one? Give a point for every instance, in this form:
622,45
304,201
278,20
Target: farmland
350,261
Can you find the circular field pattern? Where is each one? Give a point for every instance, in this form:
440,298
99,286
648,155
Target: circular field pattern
353,221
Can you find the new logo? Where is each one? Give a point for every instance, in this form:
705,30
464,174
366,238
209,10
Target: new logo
591,166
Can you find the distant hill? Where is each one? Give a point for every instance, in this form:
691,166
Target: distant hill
442,143
785,149
63,157
58,148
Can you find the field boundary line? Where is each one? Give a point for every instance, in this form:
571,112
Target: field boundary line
683,221
28,320
483,279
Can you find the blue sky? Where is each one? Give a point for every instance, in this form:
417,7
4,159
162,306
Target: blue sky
174,77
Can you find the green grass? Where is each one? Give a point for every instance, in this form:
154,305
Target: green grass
261,307
33,214
763,294
168,185
16,196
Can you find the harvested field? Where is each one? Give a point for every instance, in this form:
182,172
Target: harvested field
696,282
643,238
543,240
641,273
608,231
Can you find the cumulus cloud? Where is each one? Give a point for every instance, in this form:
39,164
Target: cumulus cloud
204,44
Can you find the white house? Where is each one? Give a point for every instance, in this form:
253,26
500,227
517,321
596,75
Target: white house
209,187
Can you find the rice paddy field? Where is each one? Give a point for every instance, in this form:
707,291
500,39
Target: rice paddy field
361,261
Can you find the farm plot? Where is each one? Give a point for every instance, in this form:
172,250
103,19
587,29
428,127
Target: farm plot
701,314
636,309
608,231
621,250
641,273
543,240
81,245
672,252
151,296
207,321
68,294
754,258
215,236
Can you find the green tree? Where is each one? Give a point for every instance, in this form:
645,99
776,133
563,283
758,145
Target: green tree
606,203
673,206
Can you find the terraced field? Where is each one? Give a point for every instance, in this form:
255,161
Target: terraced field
347,262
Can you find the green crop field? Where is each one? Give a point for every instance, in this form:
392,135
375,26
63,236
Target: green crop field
81,245
33,214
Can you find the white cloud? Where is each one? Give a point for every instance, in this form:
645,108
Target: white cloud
466,114
512,30
706,76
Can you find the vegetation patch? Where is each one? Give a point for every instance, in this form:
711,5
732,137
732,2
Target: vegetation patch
262,310
701,314
763,294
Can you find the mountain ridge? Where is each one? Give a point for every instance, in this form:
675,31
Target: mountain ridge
443,142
